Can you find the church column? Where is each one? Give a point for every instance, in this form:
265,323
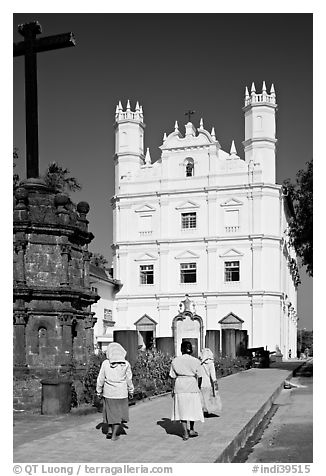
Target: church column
89,323
257,210
257,247
20,321
65,320
164,275
20,249
65,256
211,267
86,261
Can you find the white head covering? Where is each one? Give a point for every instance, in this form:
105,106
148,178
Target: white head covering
116,353
205,355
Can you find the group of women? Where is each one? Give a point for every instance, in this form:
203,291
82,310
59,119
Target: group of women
194,390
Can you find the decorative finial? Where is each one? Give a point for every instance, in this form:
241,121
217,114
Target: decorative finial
272,89
137,106
120,106
264,86
233,149
176,127
128,104
253,88
201,124
140,109
148,160
164,137
246,93
213,133
117,110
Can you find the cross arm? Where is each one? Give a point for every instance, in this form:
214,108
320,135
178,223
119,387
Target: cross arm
47,43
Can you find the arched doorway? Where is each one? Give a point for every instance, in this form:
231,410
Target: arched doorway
187,325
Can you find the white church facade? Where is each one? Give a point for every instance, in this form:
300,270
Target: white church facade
200,236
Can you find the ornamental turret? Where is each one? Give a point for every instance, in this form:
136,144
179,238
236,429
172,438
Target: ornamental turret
260,140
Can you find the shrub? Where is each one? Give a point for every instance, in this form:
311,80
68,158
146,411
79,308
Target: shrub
90,377
230,365
151,374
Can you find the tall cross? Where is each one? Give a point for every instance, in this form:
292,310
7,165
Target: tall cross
189,113
28,48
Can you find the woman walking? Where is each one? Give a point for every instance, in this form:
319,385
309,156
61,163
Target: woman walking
114,383
186,374
210,400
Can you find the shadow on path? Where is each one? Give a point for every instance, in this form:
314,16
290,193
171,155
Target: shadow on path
171,427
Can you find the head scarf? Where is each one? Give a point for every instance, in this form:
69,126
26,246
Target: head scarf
206,355
116,353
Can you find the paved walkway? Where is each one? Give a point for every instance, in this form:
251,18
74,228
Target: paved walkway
150,436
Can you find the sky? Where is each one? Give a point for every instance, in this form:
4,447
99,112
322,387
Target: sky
169,63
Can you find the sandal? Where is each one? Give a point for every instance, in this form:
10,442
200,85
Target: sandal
193,433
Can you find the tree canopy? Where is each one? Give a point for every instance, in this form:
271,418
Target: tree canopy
301,224
58,178
99,260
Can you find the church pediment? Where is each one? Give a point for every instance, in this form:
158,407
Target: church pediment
187,205
231,319
175,140
231,202
187,255
145,320
145,208
146,257
231,253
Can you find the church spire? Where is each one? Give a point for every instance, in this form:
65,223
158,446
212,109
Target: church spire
176,127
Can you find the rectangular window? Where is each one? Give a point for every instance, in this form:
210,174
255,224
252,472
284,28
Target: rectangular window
231,220
232,271
188,220
145,223
188,272
147,274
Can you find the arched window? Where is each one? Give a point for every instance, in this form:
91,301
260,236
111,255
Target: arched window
189,167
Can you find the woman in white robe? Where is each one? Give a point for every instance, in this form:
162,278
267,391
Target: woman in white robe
186,374
209,381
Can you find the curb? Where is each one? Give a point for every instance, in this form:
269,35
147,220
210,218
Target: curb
240,440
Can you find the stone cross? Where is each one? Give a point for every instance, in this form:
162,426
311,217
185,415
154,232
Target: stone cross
28,48
189,113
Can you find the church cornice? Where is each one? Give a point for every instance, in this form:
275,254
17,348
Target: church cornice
204,239
214,188
202,294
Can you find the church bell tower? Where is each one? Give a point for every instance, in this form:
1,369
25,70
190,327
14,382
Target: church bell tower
260,140
129,143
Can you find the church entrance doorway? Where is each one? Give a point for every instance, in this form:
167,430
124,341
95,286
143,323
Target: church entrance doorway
234,339
146,327
187,325
146,339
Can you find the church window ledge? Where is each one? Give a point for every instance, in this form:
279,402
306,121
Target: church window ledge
232,229
232,284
